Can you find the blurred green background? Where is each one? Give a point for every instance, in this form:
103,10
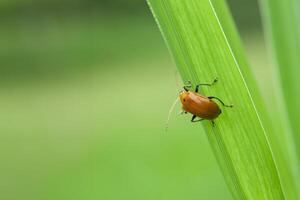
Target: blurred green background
85,89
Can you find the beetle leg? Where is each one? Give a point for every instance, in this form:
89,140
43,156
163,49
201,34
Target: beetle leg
183,112
186,87
221,101
194,117
213,123
205,84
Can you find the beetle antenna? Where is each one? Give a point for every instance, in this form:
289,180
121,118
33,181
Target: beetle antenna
177,81
170,112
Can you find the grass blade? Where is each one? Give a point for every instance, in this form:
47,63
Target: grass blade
195,36
282,27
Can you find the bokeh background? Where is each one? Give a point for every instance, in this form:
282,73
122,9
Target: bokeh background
85,89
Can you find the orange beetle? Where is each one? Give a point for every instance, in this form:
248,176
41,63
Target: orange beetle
199,105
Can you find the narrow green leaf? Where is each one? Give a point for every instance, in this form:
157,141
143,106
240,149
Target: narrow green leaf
202,51
282,27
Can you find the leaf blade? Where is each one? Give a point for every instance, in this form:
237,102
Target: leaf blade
200,49
282,28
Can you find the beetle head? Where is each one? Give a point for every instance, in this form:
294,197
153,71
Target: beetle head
183,96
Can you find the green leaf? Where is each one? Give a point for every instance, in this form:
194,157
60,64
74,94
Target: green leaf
204,44
282,27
